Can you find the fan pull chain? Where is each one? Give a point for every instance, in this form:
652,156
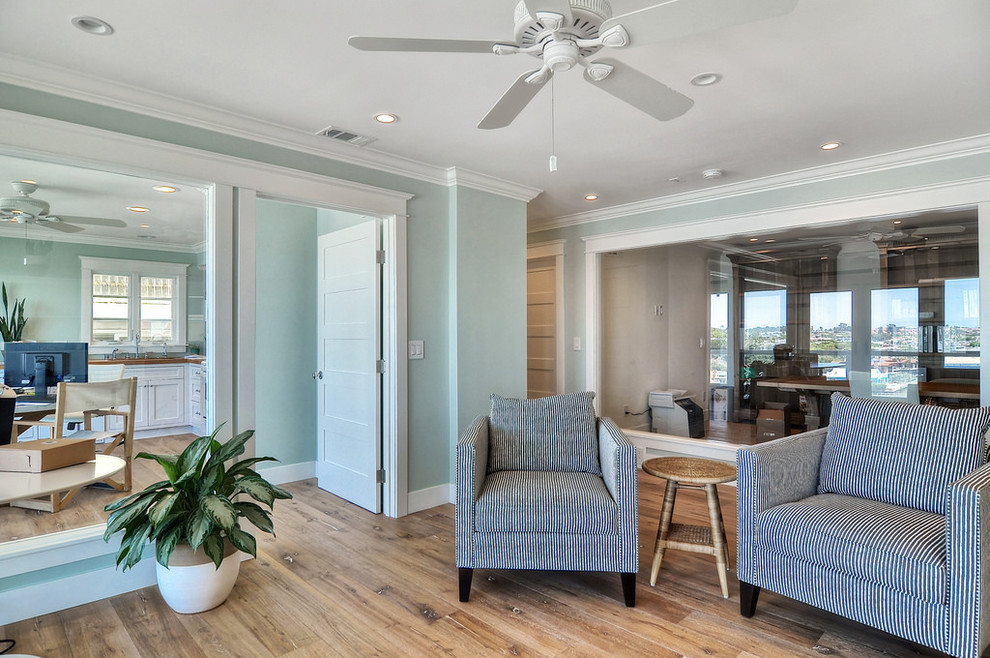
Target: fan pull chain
553,136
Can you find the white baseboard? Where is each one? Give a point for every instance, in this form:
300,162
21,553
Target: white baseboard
288,473
430,497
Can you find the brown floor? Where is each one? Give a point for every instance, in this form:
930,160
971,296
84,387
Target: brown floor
86,508
339,581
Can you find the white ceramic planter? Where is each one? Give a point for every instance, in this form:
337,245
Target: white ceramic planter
192,583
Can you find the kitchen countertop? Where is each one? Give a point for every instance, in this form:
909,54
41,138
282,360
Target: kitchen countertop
149,361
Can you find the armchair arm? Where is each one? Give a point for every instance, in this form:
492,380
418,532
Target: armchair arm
771,474
620,472
472,466
967,535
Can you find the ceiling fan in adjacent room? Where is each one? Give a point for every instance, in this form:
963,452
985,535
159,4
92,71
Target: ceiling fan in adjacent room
564,33
26,209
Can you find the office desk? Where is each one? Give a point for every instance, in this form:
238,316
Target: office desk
32,411
942,390
22,486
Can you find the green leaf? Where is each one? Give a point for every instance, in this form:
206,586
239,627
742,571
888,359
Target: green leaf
256,515
198,527
257,488
124,501
244,541
161,509
135,546
125,516
168,462
210,482
220,511
280,493
166,543
243,467
190,462
213,547
231,449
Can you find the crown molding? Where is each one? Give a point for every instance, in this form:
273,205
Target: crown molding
474,180
975,145
16,232
91,89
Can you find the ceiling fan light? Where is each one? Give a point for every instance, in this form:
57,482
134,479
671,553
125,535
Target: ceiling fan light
705,79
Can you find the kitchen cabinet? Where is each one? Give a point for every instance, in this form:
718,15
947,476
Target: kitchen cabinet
161,396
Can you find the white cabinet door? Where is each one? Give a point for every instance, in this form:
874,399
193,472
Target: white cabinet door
166,403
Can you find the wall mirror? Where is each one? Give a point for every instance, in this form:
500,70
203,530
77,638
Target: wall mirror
881,307
114,258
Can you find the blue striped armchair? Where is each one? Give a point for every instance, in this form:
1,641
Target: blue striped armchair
543,484
882,517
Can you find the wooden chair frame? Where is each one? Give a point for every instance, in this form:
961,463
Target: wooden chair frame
89,400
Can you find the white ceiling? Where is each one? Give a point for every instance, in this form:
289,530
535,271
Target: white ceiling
879,76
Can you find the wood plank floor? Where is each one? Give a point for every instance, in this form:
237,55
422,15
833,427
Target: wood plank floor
86,508
339,581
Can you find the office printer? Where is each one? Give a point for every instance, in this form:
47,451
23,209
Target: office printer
676,413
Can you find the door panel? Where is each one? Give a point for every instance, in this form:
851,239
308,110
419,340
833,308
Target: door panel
349,333
541,322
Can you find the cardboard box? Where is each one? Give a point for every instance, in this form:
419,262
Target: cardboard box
773,421
45,454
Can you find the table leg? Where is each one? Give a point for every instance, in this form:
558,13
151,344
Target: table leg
718,538
669,495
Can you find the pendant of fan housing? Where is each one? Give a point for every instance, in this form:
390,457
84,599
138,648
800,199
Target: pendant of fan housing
565,33
26,209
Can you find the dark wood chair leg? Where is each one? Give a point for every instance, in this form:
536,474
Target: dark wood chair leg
748,595
464,583
629,588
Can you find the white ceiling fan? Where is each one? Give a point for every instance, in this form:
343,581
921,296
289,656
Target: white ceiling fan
563,33
26,209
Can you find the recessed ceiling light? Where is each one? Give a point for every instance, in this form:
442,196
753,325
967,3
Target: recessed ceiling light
754,239
898,222
770,240
705,79
591,197
712,174
145,225
91,25
386,117
830,146
138,209
165,189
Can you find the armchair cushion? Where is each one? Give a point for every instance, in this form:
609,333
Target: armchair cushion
873,450
898,547
555,433
540,501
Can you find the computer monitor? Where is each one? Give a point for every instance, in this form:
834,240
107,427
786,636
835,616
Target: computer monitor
36,366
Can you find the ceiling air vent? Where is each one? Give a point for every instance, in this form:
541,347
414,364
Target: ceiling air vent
341,135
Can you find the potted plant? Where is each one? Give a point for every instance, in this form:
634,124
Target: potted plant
192,518
12,321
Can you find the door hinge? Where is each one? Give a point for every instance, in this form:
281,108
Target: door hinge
380,366
380,476
380,256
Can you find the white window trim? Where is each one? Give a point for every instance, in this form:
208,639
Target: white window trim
133,268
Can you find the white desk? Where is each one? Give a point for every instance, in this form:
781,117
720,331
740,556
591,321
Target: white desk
20,486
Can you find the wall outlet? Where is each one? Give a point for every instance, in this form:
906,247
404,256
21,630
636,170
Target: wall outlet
625,409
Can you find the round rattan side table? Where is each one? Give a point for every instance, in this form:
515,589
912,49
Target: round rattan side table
692,473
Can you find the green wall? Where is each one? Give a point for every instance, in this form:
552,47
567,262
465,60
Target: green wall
52,282
285,326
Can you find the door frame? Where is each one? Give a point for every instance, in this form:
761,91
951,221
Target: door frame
554,249
395,436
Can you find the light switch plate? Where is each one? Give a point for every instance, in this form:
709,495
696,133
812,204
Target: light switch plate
415,349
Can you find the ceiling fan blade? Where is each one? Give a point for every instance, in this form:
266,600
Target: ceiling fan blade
512,102
93,221
58,225
680,18
641,91
408,45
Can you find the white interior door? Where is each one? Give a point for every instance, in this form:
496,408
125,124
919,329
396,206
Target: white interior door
349,402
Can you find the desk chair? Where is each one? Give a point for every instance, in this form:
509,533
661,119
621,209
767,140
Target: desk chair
98,372
91,400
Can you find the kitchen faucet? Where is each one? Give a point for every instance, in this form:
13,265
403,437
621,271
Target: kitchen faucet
164,349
